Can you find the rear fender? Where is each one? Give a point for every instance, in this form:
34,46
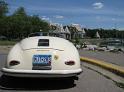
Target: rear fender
16,53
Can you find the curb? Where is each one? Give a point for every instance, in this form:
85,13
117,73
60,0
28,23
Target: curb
111,67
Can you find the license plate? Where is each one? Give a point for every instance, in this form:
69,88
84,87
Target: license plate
42,60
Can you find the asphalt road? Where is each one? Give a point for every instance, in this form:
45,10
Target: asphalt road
89,81
110,57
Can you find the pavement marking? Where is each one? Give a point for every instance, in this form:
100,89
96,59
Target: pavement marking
114,68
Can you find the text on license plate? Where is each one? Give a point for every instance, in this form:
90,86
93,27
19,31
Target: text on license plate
41,59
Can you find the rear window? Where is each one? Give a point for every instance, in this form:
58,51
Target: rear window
43,42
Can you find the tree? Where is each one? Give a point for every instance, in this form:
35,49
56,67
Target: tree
20,12
3,8
22,24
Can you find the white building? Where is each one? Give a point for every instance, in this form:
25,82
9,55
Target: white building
80,32
64,33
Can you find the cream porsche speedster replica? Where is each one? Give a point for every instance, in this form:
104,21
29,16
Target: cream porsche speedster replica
43,56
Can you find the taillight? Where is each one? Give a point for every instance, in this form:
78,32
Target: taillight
71,62
14,62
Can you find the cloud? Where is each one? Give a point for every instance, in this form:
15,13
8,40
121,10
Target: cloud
59,17
45,18
98,5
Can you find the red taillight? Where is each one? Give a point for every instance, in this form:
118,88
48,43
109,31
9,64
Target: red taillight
14,62
71,62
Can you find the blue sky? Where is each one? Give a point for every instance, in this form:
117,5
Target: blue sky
88,13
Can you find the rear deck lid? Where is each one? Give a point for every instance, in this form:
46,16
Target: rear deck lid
45,42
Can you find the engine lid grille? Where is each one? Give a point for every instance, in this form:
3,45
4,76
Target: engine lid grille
43,42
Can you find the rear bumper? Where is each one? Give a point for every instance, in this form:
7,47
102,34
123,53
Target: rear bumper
41,73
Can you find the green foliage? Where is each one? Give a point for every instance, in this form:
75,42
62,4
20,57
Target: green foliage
105,33
5,43
19,25
20,12
77,41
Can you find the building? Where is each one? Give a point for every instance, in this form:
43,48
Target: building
61,31
80,33
66,32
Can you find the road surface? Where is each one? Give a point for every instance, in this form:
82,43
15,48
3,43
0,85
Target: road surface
114,58
89,81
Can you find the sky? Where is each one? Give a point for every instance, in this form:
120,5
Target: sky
106,14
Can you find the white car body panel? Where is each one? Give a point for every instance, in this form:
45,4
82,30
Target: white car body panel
24,51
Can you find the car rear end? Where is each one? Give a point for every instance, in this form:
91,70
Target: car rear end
43,57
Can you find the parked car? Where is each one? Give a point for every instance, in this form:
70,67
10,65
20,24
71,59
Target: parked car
43,56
